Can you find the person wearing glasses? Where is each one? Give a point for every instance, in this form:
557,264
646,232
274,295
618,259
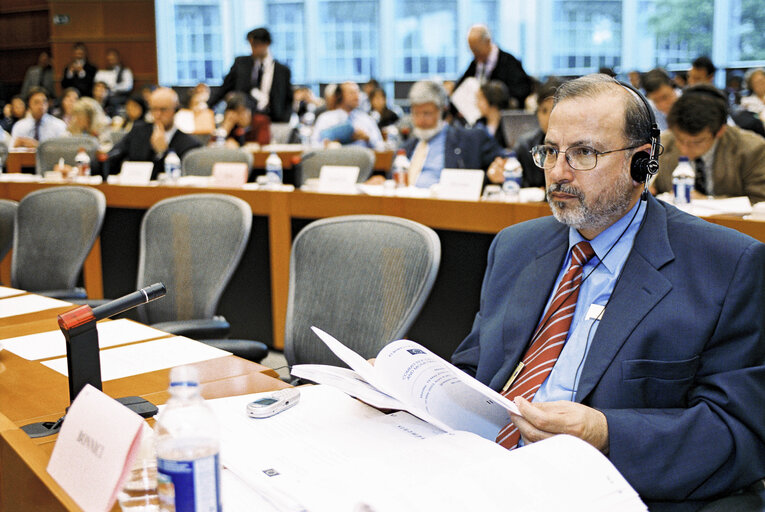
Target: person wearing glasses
623,321
152,142
728,160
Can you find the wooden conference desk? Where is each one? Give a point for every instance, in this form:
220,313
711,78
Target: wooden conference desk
383,159
31,392
465,229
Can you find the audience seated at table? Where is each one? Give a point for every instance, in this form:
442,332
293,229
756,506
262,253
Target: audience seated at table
533,176
728,160
39,125
661,93
102,95
493,98
135,113
65,104
380,111
702,71
13,111
118,78
346,123
237,119
152,142
196,117
755,82
40,74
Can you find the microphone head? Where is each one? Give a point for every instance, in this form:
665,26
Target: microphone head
154,291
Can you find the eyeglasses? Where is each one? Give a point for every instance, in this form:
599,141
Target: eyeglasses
580,158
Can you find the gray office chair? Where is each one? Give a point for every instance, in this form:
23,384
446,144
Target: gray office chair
3,154
200,161
515,123
50,151
54,232
193,245
281,133
7,219
361,278
751,499
117,135
311,164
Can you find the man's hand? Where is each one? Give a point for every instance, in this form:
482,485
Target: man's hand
545,419
360,135
25,142
158,142
496,171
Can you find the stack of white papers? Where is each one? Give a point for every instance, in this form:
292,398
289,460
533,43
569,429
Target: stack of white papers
28,304
9,292
333,453
52,344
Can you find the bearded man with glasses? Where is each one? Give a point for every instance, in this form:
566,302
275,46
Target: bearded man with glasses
624,321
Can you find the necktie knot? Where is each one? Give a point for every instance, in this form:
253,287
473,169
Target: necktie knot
581,253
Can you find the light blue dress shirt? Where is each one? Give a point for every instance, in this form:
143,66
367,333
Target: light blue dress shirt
600,276
50,127
434,162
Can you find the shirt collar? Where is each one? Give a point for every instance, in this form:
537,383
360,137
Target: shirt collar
614,243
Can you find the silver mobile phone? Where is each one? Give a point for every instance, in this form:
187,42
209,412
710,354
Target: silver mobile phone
271,404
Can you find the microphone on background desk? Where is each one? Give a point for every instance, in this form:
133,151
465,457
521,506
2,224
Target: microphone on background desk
83,360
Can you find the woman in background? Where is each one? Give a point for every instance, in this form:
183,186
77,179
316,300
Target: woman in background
493,98
88,118
380,111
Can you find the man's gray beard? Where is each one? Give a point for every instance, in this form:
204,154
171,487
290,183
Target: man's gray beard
608,208
427,134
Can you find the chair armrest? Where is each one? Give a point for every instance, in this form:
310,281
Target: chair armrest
200,329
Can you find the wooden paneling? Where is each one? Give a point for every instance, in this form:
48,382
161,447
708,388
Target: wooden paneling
127,25
25,33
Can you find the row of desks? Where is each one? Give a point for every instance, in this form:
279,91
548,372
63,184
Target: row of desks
31,392
18,160
281,209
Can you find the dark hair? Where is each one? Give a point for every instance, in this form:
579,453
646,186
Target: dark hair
655,79
701,106
705,63
496,94
605,70
36,90
138,100
378,90
637,120
548,88
81,45
259,35
373,82
70,90
235,100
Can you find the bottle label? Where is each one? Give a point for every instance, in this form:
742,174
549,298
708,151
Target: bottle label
189,485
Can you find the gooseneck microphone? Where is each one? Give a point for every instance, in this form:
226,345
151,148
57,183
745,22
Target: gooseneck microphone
129,301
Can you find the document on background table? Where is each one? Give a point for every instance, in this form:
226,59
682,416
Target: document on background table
333,453
410,377
147,357
28,304
52,343
9,292
465,99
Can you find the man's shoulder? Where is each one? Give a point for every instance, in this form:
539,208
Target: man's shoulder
531,233
736,138
55,121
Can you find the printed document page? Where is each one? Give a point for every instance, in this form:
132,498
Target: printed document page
28,304
52,343
333,453
147,357
9,292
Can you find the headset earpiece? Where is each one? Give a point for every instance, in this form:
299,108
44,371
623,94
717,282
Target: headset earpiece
645,164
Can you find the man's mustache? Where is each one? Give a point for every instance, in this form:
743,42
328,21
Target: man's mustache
565,189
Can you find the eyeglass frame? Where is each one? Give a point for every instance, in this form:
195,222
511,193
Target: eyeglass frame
568,160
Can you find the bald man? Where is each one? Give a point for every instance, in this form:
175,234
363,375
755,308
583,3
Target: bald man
491,63
152,142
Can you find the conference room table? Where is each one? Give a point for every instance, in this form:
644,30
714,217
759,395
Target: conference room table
256,299
31,392
21,158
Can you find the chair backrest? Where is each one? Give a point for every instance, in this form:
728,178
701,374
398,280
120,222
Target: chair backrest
517,122
50,151
363,158
361,278
281,133
54,232
192,244
117,135
7,218
3,154
200,161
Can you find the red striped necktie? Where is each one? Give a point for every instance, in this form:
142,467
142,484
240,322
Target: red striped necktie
549,338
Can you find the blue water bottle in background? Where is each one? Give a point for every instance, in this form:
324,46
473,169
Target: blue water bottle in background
188,448
513,173
683,179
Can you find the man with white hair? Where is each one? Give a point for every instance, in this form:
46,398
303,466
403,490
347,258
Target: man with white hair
491,63
436,145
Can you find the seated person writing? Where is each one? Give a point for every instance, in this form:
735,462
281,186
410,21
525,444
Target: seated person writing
622,320
346,123
151,142
728,160
236,119
435,145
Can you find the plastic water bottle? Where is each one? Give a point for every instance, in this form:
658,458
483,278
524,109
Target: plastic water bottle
188,447
172,166
513,173
220,137
82,162
391,141
400,169
274,174
683,179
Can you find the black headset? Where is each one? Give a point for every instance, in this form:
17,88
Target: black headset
646,164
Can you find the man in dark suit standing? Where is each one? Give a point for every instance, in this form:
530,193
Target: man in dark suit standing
491,63
265,81
152,142
79,73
